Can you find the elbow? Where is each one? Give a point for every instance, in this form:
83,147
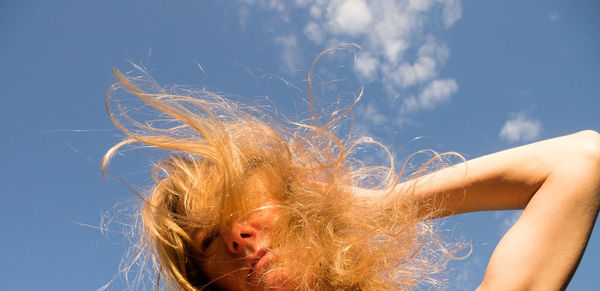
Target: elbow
587,143
584,166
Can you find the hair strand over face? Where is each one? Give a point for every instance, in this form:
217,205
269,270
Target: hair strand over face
329,233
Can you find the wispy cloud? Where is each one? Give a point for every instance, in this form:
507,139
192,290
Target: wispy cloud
278,5
401,44
243,14
553,15
507,220
452,12
290,56
520,128
400,47
372,113
430,56
436,92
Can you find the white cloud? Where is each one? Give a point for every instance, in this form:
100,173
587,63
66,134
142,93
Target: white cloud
290,54
374,115
520,128
452,12
400,41
243,14
436,92
303,3
366,66
314,32
315,12
553,14
269,4
423,69
419,5
349,17
429,57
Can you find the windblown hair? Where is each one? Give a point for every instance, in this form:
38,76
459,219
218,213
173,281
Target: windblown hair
342,224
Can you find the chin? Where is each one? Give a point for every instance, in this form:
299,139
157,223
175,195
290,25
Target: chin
277,280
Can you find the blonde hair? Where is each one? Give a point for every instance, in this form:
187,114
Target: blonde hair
331,232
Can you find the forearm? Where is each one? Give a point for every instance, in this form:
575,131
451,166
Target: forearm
503,180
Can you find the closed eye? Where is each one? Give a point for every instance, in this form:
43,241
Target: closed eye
208,240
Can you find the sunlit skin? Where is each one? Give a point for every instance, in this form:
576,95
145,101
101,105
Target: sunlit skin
239,244
550,187
240,255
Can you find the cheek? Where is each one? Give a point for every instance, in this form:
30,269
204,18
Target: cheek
226,271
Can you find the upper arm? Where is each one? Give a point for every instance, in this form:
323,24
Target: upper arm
556,182
542,250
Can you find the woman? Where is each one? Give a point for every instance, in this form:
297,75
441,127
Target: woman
244,203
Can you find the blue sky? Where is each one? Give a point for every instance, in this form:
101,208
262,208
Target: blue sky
468,76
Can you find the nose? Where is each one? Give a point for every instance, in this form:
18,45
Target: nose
243,239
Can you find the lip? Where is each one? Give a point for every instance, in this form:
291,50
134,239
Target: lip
263,258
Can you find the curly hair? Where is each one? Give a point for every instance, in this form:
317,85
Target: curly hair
341,225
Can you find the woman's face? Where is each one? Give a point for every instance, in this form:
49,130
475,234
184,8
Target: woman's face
240,257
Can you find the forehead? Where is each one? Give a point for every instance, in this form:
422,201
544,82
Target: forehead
265,184
261,188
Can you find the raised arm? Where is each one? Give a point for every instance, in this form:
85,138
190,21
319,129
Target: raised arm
556,182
